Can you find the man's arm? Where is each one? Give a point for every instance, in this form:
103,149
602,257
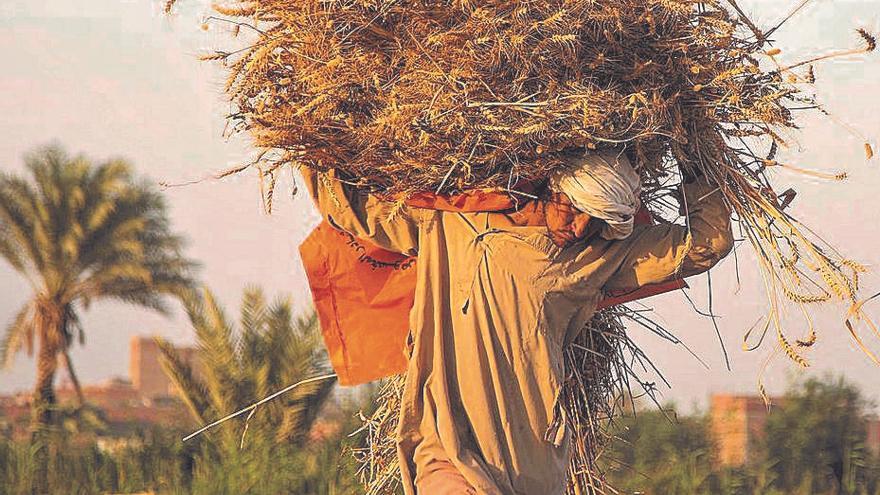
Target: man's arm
659,253
362,215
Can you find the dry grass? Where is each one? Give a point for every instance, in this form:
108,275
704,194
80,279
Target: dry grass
379,467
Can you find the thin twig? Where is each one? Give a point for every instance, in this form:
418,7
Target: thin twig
258,403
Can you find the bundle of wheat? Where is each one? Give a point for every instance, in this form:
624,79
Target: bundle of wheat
379,468
414,95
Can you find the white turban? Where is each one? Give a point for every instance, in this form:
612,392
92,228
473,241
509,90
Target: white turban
605,186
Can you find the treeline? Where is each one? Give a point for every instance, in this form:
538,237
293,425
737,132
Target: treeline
80,231
157,462
813,445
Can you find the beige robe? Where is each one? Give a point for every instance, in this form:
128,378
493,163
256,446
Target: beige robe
494,306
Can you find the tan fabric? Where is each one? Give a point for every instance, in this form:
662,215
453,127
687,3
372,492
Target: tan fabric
440,478
494,305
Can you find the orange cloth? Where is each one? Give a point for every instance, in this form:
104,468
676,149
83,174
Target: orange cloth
363,294
476,200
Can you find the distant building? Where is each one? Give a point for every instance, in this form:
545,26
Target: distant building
147,376
873,434
737,423
148,398
109,392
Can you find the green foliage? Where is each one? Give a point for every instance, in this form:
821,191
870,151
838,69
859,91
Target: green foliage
155,460
658,452
80,232
235,367
813,444
655,455
816,439
159,462
283,451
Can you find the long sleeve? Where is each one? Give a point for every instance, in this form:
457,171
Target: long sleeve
658,253
363,215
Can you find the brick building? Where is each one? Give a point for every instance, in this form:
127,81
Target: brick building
147,398
873,434
145,370
738,422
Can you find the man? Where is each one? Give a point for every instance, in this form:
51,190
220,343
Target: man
496,300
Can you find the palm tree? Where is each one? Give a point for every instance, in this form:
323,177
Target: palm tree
233,368
80,232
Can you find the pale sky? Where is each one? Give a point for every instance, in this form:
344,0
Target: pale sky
117,78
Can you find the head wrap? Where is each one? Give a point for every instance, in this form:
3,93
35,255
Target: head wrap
605,186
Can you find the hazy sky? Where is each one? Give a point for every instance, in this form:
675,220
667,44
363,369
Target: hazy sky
117,78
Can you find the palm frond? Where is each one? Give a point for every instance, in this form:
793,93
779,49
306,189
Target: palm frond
216,343
302,408
253,309
90,231
19,334
253,325
193,392
17,217
269,352
10,250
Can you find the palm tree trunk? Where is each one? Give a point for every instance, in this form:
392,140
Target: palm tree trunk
43,409
68,363
44,392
